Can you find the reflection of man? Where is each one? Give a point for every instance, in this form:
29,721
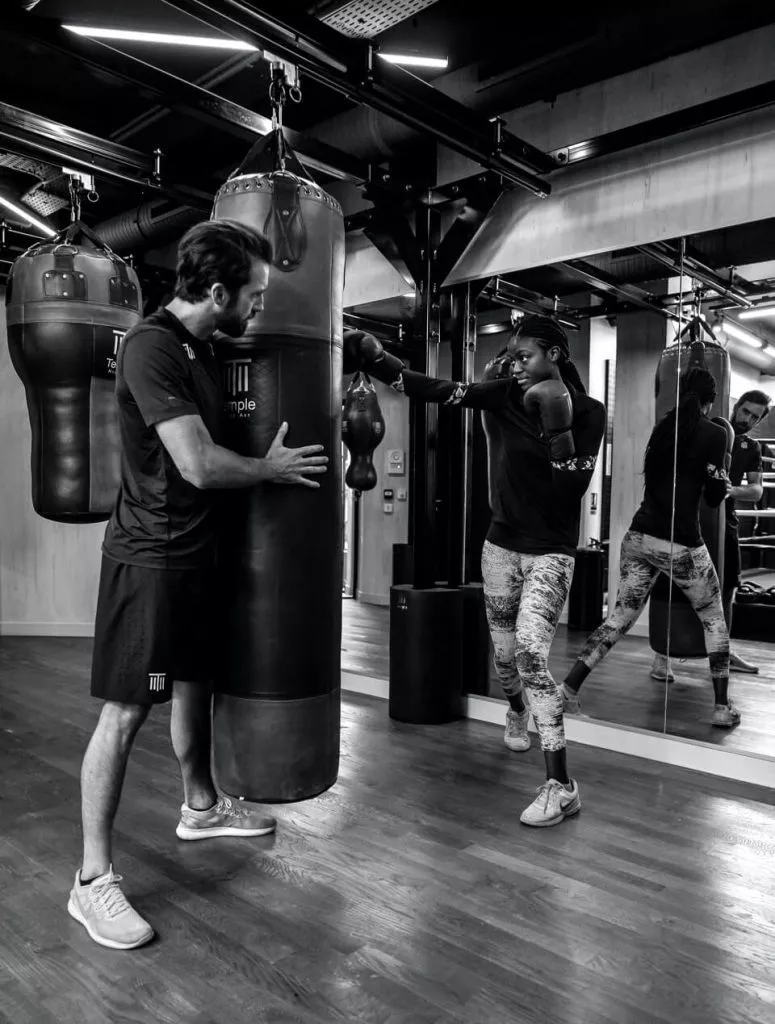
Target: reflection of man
745,484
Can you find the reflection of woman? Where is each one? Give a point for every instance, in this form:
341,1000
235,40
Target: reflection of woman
541,459
646,547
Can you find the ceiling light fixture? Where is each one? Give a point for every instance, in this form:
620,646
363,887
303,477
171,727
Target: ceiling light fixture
414,61
737,332
769,351
28,217
757,313
171,39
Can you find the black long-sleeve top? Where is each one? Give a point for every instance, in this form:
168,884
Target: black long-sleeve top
701,473
536,503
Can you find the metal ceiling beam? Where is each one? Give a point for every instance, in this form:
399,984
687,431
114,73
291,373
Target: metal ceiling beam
168,90
518,297
351,68
702,114
28,134
603,282
664,253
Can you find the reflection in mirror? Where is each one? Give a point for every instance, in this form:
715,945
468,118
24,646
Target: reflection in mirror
622,313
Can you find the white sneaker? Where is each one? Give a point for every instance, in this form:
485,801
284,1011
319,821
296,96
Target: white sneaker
553,804
661,670
726,716
106,913
516,736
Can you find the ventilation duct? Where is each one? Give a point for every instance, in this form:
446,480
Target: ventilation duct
154,223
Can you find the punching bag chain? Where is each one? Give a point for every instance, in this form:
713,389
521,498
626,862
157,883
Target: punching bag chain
675,471
75,188
281,90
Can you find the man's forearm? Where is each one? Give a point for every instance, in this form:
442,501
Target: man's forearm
224,469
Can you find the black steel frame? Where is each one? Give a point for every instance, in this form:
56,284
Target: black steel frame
349,67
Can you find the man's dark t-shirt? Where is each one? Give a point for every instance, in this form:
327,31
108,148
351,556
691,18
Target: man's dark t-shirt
746,458
160,520
700,473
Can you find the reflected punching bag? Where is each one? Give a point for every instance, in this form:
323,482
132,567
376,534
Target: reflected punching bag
69,302
277,701
687,639
363,428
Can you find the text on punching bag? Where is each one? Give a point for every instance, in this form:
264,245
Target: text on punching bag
236,374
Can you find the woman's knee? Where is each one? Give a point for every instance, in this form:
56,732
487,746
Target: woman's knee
531,657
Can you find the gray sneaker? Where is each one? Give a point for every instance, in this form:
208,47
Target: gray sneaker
516,736
106,913
661,670
738,664
223,819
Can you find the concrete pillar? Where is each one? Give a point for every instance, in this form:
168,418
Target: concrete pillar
640,340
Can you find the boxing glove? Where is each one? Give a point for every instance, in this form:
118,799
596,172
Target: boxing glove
551,400
730,439
358,348
498,368
363,351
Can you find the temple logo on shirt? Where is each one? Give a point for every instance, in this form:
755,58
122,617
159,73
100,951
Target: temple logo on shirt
236,380
189,351
156,681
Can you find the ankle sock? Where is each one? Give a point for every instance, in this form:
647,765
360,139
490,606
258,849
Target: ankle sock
513,701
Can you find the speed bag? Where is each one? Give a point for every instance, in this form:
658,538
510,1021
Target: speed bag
68,306
277,702
687,639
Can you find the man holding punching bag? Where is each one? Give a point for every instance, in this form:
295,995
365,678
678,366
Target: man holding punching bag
155,613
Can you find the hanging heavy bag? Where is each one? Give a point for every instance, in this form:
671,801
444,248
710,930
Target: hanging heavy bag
687,639
363,429
69,302
277,705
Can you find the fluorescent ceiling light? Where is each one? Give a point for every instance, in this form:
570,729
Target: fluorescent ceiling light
737,332
28,217
757,314
769,351
413,61
209,42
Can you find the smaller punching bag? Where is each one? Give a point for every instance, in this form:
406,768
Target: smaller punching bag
687,639
69,302
363,429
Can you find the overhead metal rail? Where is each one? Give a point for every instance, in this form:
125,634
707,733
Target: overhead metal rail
351,67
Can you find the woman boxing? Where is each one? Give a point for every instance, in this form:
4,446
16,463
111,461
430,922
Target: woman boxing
647,549
548,435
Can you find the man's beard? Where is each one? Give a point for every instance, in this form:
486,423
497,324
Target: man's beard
232,325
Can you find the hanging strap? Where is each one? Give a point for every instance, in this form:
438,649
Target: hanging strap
271,153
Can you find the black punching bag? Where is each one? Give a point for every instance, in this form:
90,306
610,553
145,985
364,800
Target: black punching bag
686,636
69,302
277,705
363,428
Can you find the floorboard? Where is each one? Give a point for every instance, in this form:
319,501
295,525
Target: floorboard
406,894
620,690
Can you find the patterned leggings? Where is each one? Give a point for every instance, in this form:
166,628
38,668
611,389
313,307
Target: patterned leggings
643,557
524,595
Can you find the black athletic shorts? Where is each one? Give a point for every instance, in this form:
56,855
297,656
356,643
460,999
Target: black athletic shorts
731,558
153,626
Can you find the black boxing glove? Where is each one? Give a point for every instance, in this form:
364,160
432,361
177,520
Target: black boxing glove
498,367
362,351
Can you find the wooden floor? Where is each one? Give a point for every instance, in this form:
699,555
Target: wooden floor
620,690
407,894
